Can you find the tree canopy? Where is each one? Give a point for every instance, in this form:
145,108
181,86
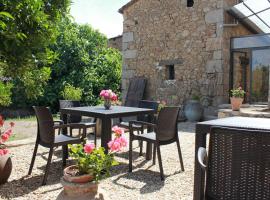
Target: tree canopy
27,28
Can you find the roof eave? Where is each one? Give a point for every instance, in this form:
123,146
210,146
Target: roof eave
121,10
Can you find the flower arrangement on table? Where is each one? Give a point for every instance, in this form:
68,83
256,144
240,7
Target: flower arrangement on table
237,98
93,161
5,134
108,96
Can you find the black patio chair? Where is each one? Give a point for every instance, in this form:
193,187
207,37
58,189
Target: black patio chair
165,132
238,164
135,91
144,118
46,136
77,118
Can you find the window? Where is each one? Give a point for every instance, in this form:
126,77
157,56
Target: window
190,3
170,73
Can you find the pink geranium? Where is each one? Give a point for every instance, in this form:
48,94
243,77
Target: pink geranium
88,148
119,141
4,135
108,94
118,130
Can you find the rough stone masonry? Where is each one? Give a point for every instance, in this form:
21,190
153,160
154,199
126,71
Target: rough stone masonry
183,51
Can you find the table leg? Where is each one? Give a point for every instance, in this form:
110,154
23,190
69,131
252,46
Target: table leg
106,132
199,175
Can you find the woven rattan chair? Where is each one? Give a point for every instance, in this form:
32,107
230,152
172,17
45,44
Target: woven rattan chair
238,164
145,118
46,137
72,119
165,132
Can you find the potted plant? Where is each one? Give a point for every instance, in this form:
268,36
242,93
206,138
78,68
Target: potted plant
193,109
92,165
108,96
71,98
5,160
237,98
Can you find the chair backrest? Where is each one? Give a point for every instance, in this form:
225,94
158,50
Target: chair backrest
45,124
135,91
147,104
167,124
238,164
70,104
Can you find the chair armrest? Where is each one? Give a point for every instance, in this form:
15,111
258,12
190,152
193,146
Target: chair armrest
141,123
60,122
202,156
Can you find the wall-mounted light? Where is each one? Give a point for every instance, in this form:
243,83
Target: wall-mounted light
190,3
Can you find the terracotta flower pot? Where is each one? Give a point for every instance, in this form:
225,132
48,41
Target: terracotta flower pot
236,103
76,185
70,175
5,168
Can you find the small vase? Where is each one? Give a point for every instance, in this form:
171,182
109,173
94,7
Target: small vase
107,104
5,168
236,103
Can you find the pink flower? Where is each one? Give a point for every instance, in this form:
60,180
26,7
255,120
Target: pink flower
123,141
118,131
114,146
8,132
3,152
114,97
4,137
1,121
12,124
88,148
102,93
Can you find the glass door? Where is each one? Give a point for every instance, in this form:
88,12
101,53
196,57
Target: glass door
260,76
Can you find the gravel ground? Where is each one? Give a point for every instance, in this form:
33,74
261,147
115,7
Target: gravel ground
143,183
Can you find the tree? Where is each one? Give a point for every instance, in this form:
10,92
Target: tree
27,28
84,61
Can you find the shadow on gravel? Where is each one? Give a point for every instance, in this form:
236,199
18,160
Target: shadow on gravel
24,185
150,178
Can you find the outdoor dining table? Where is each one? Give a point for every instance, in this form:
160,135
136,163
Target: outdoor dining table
106,117
202,128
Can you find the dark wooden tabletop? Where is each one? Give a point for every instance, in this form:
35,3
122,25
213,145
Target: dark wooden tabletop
235,122
99,111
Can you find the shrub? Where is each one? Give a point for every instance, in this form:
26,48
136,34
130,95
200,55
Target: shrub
5,94
72,93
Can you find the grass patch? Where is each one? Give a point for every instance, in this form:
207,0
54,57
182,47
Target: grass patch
30,118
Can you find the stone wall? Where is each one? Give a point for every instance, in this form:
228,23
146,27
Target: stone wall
115,42
161,33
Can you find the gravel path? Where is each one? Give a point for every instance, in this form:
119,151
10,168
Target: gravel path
143,183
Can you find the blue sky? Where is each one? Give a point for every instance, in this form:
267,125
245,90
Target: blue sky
100,14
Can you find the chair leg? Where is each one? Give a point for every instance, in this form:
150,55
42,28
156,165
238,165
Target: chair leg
95,136
180,155
33,159
160,162
130,155
64,155
47,166
141,144
154,154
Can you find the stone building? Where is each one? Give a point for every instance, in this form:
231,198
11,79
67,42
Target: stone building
115,42
184,49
